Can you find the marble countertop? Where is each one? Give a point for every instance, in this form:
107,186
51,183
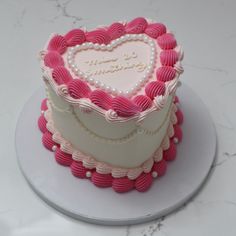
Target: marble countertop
207,31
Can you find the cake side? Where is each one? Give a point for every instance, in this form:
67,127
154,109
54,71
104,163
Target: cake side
111,104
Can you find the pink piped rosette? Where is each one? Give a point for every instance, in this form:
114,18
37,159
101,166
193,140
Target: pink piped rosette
77,88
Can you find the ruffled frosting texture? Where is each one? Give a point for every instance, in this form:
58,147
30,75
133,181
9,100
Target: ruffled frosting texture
99,36
165,73
167,41
57,43
53,59
78,89
104,175
155,88
74,37
63,158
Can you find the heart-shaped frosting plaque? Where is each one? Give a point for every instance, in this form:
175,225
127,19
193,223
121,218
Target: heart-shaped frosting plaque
121,67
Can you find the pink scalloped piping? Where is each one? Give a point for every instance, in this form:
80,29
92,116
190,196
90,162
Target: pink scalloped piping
136,26
116,30
140,179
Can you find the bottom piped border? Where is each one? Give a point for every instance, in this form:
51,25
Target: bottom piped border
142,183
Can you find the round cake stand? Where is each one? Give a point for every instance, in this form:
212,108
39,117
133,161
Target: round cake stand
80,199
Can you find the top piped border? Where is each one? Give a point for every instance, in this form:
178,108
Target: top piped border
114,107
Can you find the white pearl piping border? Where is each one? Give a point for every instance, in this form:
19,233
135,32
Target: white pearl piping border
128,37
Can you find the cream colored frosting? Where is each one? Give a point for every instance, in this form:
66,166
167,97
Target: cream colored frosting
125,144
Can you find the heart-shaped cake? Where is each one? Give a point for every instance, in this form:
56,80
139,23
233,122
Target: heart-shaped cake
111,111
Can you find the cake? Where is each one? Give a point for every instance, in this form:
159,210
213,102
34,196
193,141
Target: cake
111,113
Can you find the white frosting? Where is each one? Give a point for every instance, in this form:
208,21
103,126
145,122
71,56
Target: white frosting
118,144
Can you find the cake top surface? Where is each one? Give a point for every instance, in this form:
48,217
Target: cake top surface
122,71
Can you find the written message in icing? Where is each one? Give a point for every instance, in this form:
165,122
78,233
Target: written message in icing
110,65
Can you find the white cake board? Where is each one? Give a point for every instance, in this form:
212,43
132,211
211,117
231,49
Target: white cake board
80,199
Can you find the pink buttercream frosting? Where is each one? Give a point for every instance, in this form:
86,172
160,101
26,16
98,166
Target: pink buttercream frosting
99,36
144,102
167,41
57,43
155,29
53,59
75,37
125,107
101,99
154,89
61,75
136,26
116,30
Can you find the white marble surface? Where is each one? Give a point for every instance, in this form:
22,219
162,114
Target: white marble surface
207,31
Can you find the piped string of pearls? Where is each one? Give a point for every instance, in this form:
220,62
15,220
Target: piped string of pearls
102,47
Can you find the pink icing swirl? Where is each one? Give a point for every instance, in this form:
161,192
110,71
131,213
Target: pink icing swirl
178,133
102,180
159,101
155,30
155,88
99,36
160,167
47,140
44,105
78,169
170,153
111,115
178,67
63,158
78,89
116,30
143,182
134,173
143,102
101,99
169,57
180,116
53,59
165,73
74,37
136,26
122,185
166,41
57,43
125,107
42,124
61,75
